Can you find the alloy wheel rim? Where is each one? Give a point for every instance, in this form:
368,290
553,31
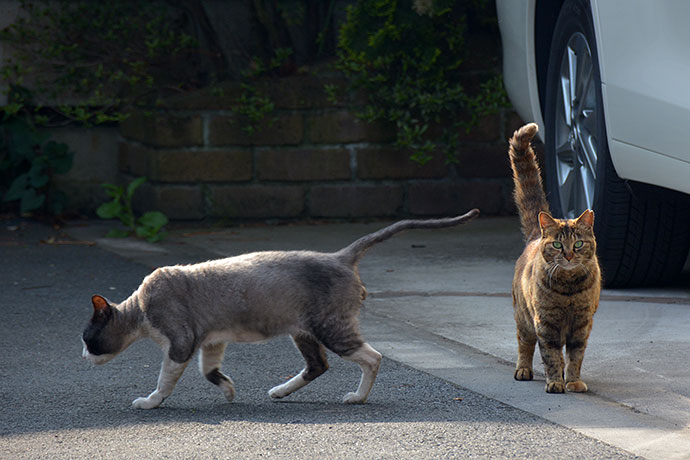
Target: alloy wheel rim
575,131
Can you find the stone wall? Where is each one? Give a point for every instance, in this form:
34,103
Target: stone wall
314,160
9,9
94,163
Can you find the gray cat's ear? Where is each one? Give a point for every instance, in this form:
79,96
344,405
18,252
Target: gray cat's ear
100,304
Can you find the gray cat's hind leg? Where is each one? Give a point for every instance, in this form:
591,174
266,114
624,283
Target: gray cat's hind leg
210,360
348,344
369,361
315,356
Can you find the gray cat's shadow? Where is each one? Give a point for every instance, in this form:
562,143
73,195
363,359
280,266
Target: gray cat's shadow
400,394
74,396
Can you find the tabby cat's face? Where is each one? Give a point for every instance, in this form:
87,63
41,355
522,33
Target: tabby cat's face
568,243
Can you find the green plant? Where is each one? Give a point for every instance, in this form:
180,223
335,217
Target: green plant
406,55
331,93
147,226
252,107
89,60
28,163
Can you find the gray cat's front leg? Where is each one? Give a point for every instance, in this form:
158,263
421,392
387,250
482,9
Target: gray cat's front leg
210,360
170,374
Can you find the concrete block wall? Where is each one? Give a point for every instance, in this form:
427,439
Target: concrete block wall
94,163
314,159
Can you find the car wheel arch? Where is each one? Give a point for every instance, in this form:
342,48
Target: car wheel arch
545,16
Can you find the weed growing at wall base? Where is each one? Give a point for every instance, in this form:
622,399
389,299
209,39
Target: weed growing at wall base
28,163
147,226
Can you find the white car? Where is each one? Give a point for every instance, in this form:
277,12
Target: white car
608,82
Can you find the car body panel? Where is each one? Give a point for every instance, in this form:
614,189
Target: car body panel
519,58
644,62
645,67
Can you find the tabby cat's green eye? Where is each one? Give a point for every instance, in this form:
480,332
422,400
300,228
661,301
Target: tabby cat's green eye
557,245
578,244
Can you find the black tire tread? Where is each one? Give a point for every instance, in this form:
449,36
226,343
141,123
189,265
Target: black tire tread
647,237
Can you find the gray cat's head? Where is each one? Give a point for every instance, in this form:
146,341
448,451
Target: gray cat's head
105,336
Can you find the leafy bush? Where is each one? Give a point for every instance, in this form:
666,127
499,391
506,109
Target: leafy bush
147,226
407,55
28,163
82,62
88,60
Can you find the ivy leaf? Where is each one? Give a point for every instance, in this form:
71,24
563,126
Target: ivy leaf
117,233
156,237
114,191
145,232
37,176
133,186
109,210
153,219
151,234
31,201
59,156
16,190
61,165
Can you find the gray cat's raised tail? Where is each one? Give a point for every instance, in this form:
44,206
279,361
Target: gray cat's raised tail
354,252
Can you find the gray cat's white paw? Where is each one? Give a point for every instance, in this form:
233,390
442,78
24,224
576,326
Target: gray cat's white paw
353,398
277,392
147,403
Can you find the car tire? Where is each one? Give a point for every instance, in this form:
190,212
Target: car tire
642,231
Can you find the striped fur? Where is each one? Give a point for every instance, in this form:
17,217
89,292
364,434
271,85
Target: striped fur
529,192
557,279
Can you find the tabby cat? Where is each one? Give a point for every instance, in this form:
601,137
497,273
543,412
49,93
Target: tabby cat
557,279
314,297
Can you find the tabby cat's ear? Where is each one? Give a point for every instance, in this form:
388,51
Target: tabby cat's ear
100,304
586,218
546,221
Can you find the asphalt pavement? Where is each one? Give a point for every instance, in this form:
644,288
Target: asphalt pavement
439,310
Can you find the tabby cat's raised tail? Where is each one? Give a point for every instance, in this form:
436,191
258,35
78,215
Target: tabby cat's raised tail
529,192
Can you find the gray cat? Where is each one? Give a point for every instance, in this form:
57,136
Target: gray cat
314,297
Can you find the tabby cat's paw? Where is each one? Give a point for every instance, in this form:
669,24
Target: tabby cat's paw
577,386
555,387
523,373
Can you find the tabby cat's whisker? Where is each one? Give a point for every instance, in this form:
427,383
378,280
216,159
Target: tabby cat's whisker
587,270
552,271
